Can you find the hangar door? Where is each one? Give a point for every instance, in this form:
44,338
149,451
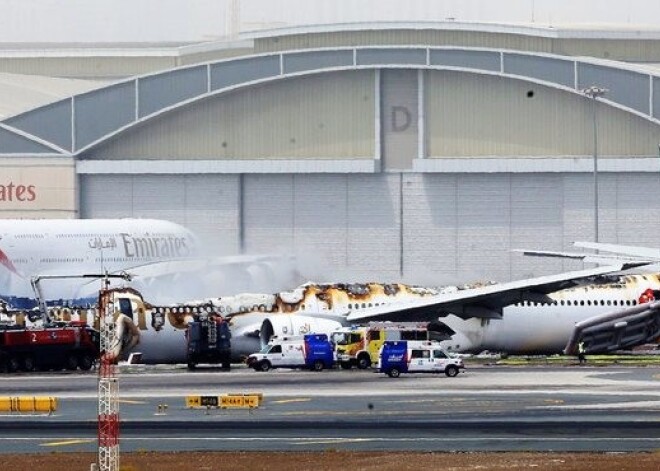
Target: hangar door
339,225
206,204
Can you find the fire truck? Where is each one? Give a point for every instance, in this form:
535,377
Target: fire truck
56,346
359,346
208,338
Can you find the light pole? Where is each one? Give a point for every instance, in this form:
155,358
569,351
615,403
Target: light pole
594,93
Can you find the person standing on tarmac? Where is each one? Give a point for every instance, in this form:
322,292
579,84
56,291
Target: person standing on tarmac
581,351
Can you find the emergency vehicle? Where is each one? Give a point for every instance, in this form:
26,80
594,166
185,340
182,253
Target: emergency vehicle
398,357
58,346
208,341
359,346
312,351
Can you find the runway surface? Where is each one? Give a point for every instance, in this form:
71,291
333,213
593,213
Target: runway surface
491,408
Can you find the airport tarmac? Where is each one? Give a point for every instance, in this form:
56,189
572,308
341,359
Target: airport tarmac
487,408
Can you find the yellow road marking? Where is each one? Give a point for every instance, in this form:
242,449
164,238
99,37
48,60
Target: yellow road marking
288,401
69,442
131,401
554,401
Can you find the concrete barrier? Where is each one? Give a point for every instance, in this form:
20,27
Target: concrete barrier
28,404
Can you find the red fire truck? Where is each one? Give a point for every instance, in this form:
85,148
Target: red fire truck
68,346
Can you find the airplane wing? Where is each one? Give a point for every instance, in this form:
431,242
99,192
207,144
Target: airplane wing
486,301
625,328
598,259
627,250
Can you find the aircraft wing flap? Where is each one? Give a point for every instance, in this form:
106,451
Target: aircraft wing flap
617,330
485,301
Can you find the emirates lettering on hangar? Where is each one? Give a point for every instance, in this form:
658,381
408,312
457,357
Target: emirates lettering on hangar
10,192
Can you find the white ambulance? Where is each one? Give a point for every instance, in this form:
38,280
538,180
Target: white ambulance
312,351
398,357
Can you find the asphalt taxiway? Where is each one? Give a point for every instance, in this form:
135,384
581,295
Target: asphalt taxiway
489,408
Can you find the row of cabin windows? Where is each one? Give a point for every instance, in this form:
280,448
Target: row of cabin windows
64,236
61,260
363,305
68,236
119,259
582,302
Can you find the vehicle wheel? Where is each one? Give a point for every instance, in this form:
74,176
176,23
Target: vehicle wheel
394,373
13,364
363,361
71,362
451,371
318,365
264,365
346,365
226,365
29,364
86,362
191,365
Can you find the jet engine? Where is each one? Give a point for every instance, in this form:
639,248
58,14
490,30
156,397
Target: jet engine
288,324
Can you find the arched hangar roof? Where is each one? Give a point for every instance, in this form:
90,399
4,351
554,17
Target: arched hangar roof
79,123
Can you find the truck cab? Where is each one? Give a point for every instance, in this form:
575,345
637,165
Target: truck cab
312,351
360,346
398,357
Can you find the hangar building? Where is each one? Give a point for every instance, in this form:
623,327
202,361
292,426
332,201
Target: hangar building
422,151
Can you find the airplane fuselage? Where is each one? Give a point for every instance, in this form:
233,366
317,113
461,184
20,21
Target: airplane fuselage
530,327
75,247
525,328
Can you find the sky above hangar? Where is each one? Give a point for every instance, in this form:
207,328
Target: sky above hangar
191,21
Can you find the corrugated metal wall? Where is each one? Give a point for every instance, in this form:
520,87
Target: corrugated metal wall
403,37
338,225
456,227
208,205
622,49
86,67
322,116
470,115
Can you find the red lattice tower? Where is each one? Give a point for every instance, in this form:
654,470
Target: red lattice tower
108,388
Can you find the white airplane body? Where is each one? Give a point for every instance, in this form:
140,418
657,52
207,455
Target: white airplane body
46,247
521,316
530,327
545,325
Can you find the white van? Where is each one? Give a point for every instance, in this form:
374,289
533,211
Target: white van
398,357
312,351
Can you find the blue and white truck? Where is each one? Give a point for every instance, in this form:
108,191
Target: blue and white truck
313,351
402,356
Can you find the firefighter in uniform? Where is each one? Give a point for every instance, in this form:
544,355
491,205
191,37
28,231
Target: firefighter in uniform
581,352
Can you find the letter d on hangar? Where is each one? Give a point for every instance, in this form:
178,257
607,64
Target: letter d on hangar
401,118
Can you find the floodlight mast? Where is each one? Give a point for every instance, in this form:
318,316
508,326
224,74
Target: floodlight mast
594,92
108,387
